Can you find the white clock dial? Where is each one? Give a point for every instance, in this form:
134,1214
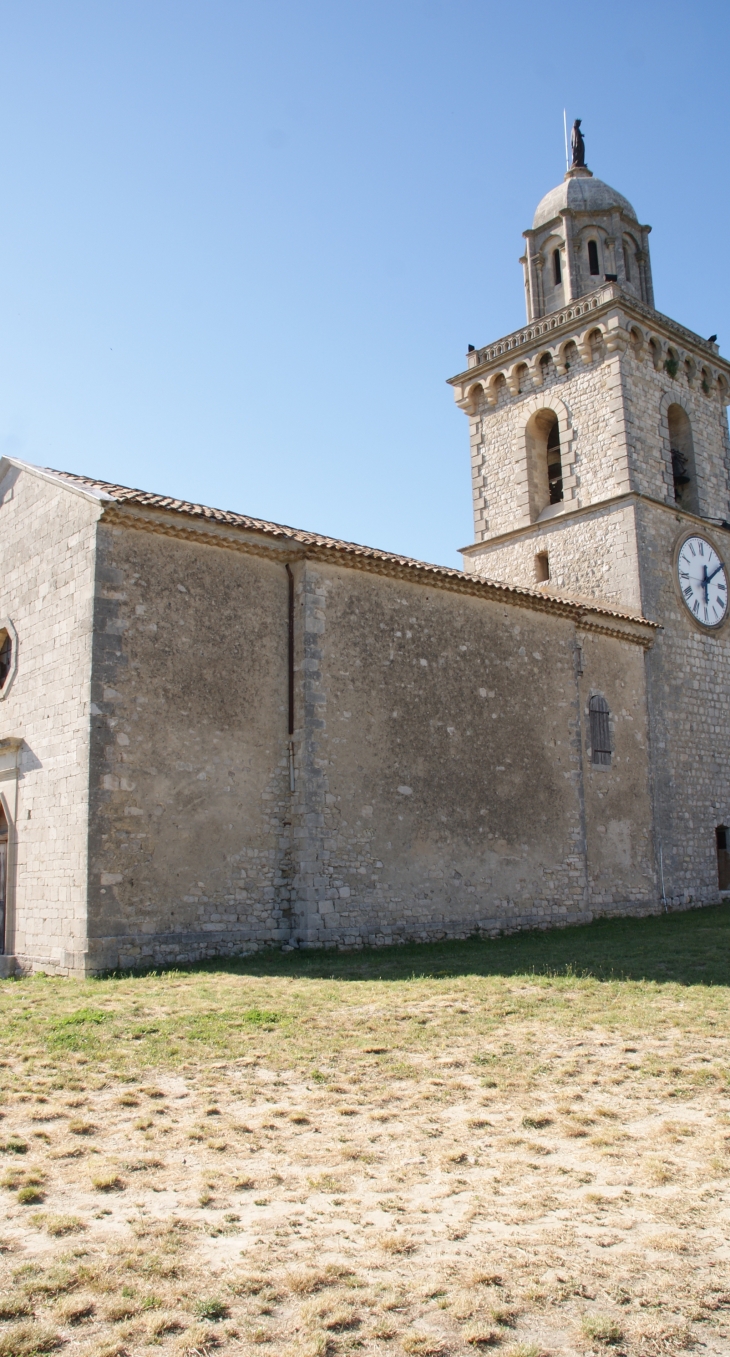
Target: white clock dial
703,581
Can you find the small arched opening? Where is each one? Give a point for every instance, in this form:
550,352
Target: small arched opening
523,378
595,341
545,467
570,355
593,264
683,459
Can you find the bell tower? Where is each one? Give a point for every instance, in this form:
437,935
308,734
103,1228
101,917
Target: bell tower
584,233
599,445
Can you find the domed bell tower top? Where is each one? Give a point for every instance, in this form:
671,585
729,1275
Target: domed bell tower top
584,234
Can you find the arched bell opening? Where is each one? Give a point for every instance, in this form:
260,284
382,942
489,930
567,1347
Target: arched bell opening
545,468
684,473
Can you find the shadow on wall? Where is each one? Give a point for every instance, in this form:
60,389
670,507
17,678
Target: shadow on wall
690,947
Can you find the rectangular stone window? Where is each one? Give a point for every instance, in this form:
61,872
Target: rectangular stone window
542,567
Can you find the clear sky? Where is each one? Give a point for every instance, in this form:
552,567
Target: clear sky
243,244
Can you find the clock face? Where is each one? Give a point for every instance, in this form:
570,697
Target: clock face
703,581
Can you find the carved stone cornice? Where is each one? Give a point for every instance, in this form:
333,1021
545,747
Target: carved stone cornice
554,328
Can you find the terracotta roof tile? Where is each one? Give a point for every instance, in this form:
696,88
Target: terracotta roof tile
123,494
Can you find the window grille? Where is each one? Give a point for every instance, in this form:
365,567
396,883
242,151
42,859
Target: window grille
600,730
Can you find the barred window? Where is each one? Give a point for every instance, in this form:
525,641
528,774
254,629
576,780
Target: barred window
600,730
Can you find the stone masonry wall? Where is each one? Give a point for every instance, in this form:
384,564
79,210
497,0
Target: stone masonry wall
689,695
592,554
442,779
189,831
614,439
48,535
593,455
647,393
620,847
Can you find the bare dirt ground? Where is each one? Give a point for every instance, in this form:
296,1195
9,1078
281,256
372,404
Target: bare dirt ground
249,1162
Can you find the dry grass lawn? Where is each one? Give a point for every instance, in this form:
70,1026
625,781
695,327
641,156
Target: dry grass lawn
519,1146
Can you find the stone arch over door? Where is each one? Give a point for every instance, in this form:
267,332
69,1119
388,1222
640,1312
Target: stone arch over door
529,504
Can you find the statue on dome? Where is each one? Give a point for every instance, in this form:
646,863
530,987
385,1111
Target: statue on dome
578,146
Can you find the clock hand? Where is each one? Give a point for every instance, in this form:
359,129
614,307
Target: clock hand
704,582
712,576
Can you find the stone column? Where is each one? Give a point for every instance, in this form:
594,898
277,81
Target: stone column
618,235
647,286
571,282
534,310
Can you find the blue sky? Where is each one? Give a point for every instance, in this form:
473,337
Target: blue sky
243,245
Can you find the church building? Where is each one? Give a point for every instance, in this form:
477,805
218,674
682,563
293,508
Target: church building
219,734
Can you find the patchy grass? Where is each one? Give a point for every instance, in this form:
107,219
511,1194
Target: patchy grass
520,1146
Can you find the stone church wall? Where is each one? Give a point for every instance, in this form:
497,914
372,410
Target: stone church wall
620,851
614,439
440,760
444,774
592,446
592,555
48,535
448,793
689,696
189,761
647,394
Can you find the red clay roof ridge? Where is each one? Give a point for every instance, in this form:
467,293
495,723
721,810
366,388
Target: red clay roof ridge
123,494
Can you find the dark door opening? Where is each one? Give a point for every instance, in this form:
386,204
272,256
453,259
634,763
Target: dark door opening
3,876
723,857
